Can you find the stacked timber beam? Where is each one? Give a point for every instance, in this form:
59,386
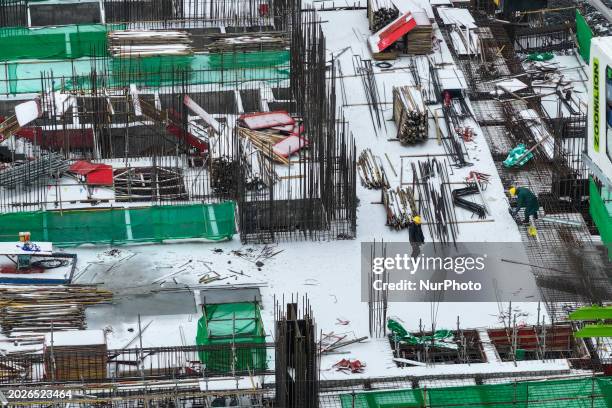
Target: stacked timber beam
410,115
419,41
39,309
371,171
400,206
145,43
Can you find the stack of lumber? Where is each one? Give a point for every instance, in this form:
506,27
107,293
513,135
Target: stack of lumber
76,355
36,309
400,206
371,171
419,40
249,43
410,115
143,43
381,13
264,141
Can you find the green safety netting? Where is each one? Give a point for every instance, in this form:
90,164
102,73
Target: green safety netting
387,399
600,208
74,41
232,323
583,36
24,77
573,393
518,156
118,225
440,338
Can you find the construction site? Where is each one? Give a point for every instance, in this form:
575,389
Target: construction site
215,203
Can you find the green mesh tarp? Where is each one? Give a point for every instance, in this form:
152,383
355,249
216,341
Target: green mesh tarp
64,42
232,323
583,36
117,226
386,399
573,393
24,77
600,208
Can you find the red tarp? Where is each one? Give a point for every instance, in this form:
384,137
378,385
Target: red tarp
96,174
388,35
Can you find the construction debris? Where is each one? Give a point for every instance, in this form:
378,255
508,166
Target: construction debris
352,366
410,115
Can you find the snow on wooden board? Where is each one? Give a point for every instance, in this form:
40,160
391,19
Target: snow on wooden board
27,112
289,145
457,16
266,120
19,248
198,110
75,338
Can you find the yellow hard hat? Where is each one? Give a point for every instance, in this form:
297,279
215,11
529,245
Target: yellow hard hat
512,191
416,219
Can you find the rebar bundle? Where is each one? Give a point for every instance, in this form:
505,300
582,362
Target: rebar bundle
371,172
400,207
410,115
365,70
42,168
460,201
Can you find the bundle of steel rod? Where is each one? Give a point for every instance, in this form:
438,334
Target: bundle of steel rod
131,43
44,167
249,43
149,184
381,13
264,141
460,201
364,69
410,115
435,202
41,308
400,207
223,175
371,172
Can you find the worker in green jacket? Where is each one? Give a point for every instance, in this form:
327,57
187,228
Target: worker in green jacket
524,199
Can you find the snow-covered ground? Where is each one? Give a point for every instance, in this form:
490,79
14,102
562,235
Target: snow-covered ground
327,272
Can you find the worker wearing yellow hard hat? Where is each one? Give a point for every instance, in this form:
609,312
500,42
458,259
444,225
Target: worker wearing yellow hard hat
415,235
527,200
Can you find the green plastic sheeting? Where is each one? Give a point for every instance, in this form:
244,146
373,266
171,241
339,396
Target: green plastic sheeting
595,330
388,399
440,338
583,36
119,226
24,77
540,56
232,323
518,156
600,208
64,42
592,313
573,393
